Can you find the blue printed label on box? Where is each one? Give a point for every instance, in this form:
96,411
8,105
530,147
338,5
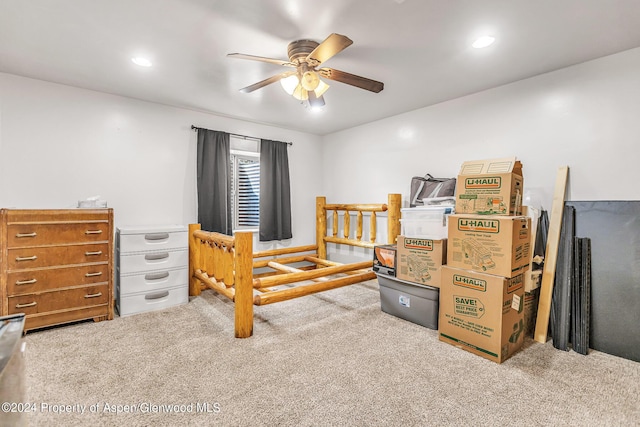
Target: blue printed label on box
404,301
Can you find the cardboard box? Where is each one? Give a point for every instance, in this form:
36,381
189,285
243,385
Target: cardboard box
409,301
496,244
490,187
531,300
384,259
419,260
533,278
482,313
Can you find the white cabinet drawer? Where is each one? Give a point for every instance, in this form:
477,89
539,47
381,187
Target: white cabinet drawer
158,239
152,281
150,261
153,300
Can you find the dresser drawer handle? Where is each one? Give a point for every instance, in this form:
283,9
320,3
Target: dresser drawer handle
31,304
99,294
157,295
93,253
93,232
156,236
99,273
26,282
156,276
26,258
34,234
155,257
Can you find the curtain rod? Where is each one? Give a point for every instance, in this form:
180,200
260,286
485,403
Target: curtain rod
236,135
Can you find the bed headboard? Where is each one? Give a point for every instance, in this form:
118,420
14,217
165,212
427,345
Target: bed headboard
392,207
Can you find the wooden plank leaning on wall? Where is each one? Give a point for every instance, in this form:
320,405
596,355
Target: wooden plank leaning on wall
551,256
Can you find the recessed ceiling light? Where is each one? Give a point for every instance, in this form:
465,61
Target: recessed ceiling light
483,41
143,62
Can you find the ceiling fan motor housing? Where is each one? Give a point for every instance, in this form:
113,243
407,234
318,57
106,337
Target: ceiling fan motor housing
299,49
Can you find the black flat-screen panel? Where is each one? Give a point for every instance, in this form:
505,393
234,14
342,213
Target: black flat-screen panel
614,229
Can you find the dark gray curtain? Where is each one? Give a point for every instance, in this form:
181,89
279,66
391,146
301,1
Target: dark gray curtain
214,174
275,193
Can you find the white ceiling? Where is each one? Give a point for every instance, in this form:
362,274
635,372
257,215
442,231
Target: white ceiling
420,49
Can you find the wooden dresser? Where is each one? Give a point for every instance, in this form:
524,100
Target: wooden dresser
56,265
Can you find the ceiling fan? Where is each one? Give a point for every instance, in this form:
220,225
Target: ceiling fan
303,82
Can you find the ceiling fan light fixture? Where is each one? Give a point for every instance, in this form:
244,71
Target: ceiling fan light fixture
300,93
310,80
289,83
321,89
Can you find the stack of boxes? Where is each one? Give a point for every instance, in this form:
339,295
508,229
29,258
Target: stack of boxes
410,290
488,252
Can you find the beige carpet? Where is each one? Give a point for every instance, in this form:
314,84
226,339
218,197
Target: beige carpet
331,359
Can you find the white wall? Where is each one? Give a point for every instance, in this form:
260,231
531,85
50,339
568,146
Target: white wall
586,116
60,144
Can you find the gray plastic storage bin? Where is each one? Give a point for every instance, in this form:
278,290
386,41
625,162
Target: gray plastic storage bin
410,301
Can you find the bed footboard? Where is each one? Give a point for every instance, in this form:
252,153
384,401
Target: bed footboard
224,264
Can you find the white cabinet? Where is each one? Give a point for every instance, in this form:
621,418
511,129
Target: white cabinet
152,266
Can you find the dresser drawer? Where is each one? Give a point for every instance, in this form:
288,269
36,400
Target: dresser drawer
95,312
23,258
32,234
154,300
57,300
152,281
30,281
150,261
140,240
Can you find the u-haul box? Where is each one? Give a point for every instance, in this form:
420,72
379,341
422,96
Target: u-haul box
419,260
493,244
490,187
482,313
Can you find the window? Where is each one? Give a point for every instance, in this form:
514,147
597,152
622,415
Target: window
245,183
245,191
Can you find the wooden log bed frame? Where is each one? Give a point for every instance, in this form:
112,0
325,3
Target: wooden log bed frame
227,264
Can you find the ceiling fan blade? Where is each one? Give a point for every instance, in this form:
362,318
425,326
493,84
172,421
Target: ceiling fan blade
261,59
351,79
331,46
315,101
266,82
